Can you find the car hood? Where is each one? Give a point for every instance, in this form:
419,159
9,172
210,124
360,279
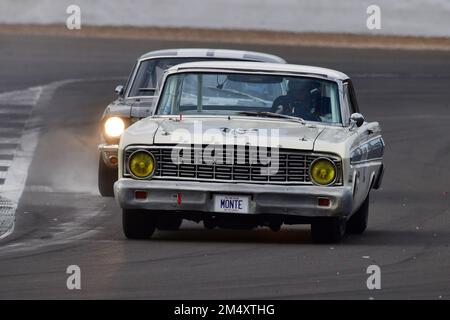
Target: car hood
217,130
134,108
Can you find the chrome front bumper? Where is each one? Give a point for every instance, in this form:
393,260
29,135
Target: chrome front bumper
108,152
192,196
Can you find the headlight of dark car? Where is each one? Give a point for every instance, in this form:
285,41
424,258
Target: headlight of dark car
113,128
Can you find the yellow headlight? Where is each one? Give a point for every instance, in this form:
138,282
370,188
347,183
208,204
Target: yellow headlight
323,171
141,164
114,127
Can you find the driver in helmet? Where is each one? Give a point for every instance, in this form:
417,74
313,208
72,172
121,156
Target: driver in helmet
300,100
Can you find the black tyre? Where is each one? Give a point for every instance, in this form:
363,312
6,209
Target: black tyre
138,224
169,222
209,224
328,230
357,223
106,178
275,227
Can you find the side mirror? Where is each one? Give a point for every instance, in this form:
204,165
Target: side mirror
357,118
119,90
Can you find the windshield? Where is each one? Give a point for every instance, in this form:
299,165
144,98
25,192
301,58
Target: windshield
150,72
307,98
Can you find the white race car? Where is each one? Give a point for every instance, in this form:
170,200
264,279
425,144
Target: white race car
246,144
135,99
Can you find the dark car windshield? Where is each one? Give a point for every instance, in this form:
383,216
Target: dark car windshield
150,72
211,93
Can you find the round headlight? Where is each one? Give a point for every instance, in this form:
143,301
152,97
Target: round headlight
141,164
323,171
114,127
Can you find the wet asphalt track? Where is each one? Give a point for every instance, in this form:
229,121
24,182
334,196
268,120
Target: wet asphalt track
61,220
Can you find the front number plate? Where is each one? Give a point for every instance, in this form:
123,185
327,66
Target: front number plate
231,203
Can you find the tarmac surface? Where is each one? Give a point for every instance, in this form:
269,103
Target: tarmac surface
61,219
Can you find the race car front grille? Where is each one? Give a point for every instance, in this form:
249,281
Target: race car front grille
232,165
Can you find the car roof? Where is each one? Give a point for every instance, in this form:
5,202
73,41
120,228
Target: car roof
262,67
214,53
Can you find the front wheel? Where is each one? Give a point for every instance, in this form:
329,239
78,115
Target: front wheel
357,223
106,178
138,224
328,230
169,222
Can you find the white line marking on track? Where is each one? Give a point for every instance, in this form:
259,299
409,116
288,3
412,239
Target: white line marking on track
14,178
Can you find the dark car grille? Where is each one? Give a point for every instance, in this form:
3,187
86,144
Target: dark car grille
293,166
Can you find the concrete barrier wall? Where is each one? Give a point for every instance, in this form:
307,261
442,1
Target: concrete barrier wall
400,17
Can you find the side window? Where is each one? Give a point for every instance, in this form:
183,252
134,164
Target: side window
351,90
127,85
348,98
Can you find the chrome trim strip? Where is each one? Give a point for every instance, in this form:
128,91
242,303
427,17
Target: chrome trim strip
376,151
367,160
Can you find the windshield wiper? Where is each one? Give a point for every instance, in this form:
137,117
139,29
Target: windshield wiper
271,115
